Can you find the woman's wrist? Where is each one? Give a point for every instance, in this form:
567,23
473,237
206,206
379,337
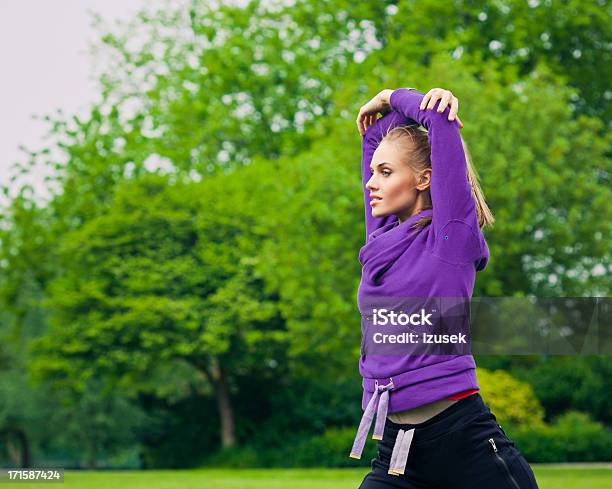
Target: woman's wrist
384,97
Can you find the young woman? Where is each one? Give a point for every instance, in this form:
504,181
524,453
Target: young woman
424,217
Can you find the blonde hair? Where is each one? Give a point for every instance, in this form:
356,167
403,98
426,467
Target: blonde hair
414,141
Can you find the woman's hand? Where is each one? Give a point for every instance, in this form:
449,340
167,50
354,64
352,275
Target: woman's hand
367,113
380,105
445,97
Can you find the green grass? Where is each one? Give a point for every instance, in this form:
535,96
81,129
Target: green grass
549,477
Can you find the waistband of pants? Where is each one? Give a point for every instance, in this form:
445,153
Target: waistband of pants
451,418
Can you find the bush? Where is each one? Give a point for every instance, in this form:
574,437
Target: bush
583,383
573,437
512,401
329,449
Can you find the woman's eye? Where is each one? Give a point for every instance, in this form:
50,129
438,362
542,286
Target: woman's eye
386,173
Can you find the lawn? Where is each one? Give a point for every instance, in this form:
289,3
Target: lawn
549,477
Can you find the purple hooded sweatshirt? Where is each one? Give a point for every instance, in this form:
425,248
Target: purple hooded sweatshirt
437,261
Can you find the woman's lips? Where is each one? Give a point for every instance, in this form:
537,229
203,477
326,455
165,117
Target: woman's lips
375,200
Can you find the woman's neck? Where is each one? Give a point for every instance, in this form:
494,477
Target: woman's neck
414,212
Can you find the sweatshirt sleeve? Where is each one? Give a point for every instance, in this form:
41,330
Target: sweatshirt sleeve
457,235
369,142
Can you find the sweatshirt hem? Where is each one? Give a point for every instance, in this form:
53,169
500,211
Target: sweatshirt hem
427,391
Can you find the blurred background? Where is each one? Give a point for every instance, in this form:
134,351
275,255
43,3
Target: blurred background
179,241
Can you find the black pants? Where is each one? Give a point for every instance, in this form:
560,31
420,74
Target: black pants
462,447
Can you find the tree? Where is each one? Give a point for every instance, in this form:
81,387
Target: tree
571,37
164,276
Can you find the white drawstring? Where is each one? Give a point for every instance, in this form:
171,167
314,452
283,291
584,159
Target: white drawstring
399,457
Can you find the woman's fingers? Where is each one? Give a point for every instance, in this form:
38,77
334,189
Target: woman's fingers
437,94
430,99
425,100
367,114
446,98
364,120
453,112
360,122
371,120
454,109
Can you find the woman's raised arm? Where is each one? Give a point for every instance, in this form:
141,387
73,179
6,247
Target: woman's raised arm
454,220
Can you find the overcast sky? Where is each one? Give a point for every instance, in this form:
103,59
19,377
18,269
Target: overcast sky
45,66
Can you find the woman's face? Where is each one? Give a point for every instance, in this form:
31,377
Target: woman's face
393,185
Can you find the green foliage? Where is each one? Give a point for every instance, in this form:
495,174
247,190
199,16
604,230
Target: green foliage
564,383
155,279
175,439
573,437
24,409
570,37
313,217
226,83
53,422
301,406
510,400
329,449
98,422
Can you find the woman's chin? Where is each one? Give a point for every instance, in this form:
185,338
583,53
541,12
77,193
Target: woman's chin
378,212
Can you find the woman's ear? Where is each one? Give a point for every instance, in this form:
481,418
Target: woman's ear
424,179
